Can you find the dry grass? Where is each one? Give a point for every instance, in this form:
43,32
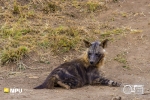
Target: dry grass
93,6
13,54
27,26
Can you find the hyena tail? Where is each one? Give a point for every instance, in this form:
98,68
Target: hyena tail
40,87
49,83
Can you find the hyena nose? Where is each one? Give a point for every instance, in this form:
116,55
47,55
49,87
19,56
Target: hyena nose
91,62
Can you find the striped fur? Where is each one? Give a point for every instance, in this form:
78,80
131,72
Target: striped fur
81,71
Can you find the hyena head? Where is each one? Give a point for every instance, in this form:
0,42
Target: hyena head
96,51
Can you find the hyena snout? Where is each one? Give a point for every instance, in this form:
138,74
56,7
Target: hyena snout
93,59
91,62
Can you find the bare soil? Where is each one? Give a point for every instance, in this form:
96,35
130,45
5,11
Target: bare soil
135,72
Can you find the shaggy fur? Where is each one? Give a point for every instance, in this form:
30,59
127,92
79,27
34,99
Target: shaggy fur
81,71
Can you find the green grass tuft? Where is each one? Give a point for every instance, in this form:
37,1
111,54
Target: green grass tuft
16,8
64,39
93,6
51,7
113,32
13,54
121,58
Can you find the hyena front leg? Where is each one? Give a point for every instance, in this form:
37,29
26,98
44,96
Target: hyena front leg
107,82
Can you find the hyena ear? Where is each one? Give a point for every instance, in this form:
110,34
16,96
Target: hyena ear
87,43
104,43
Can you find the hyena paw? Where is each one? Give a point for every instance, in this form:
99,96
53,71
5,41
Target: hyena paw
67,87
112,83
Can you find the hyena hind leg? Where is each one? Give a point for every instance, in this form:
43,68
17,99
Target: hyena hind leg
63,85
53,80
50,83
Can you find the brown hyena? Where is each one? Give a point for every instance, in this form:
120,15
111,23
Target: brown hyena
81,71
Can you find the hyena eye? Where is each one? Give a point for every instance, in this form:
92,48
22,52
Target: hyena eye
97,54
89,53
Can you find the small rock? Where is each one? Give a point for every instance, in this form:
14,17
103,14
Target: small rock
33,77
1,78
116,98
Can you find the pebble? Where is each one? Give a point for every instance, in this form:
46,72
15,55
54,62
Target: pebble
116,98
1,78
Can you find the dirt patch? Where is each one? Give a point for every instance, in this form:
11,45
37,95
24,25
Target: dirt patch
134,45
